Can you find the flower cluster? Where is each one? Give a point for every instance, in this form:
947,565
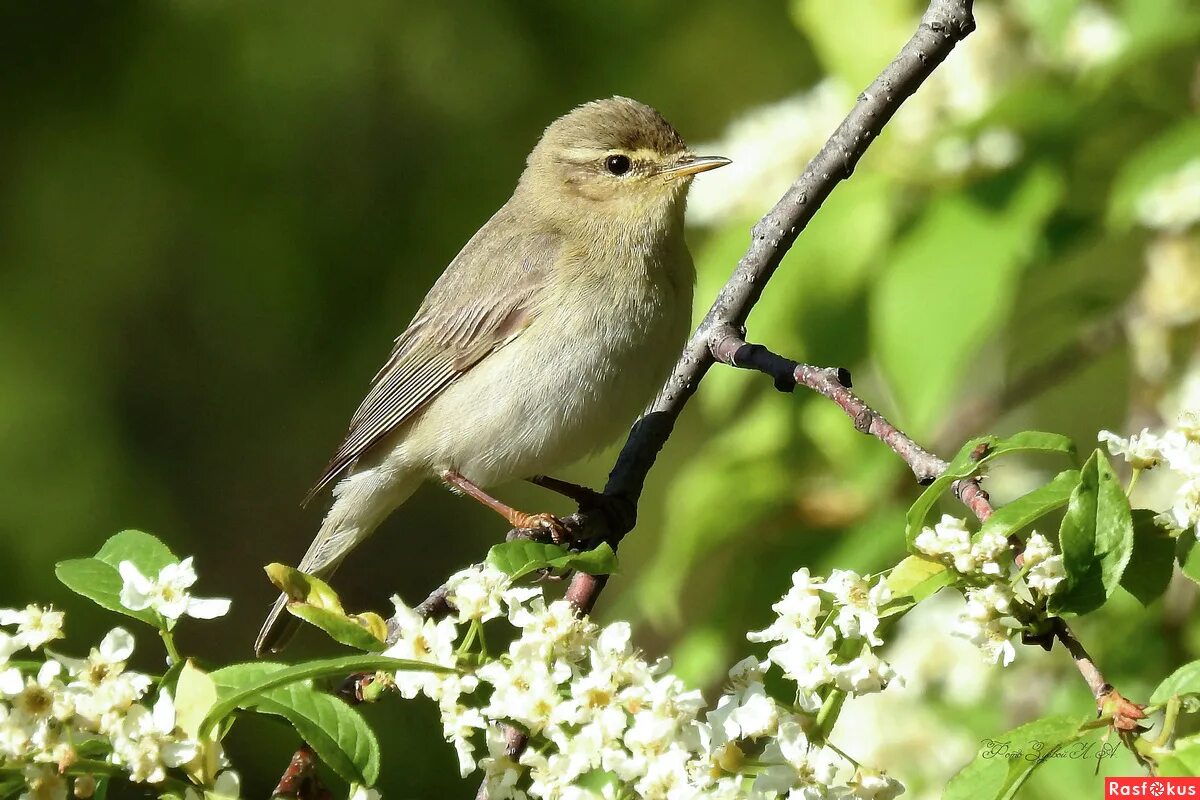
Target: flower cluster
602,721
986,570
1177,449
63,716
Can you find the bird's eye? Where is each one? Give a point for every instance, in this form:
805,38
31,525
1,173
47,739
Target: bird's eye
617,165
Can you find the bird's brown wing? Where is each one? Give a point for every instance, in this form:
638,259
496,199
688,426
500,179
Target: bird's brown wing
473,310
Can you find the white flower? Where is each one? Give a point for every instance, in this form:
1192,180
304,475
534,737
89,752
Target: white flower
42,782
987,551
949,540
1046,575
361,792
997,148
102,689
1037,549
35,627
459,724
1093,37
799,610
477,593
84,787
859,602
769,144
148,742
870,785
864,675
167,593
1173,203
1142,450
807,661
420,639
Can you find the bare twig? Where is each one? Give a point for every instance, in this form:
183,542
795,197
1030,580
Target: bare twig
730,348
300,781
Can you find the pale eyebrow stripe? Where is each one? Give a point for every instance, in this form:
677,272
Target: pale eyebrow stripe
583,155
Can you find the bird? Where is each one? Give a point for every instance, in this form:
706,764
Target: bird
540,343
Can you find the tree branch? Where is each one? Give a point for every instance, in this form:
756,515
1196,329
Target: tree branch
834,383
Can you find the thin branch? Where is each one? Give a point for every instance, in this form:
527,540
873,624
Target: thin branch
731,349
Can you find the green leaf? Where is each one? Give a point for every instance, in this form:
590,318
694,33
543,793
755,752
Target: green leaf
1153,560
304,587
1096,539
1185,680
1154,160
925,363
1183,761
1012,517
241,683
1006,761
519,558
1188,556
341,628
100,583
918,577
971,458
337,733
195,694
146,552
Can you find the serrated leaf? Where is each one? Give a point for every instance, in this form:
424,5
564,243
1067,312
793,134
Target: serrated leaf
918,577
1096,539
304,588
145,551
100,583
1012,517
1153,560
1003,763
1185,680
341,628
337,733
522,557
245,683
971,458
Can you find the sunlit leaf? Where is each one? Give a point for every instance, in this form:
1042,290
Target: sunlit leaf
304,588
1096,539
100,583
335,731
1185,680
1027,509
522,557
1005,761
145,551
362,632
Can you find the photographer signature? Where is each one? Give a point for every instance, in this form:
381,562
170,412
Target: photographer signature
1035,751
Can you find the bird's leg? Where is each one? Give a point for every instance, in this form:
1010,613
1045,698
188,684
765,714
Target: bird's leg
584,496
518,519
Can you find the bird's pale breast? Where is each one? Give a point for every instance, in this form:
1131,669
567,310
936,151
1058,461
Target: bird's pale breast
572,383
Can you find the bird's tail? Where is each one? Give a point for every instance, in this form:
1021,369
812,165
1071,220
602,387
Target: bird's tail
361,502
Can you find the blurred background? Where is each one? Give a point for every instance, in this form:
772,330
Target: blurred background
214,217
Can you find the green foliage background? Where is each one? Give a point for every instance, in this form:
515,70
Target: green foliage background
214,217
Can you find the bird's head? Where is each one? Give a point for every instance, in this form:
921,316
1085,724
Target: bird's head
614,161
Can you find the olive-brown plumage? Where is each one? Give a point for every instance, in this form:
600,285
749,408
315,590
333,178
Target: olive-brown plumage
540,342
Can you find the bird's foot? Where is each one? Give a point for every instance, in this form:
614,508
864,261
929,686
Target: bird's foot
546,523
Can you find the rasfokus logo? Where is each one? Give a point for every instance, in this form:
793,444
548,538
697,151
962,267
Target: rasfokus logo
1151,787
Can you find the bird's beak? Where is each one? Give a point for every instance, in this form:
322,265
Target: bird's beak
691,165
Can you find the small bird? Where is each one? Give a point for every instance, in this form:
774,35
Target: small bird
541,341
